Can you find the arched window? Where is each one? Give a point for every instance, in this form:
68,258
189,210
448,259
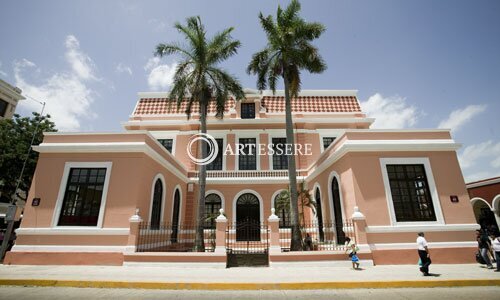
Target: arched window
282,207
213,204
319,211
156,209
175,216
337,211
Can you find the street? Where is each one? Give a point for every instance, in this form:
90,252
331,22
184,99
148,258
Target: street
39,293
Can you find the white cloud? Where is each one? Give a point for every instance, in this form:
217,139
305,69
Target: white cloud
391,112
80,62
460,117
2,72
66,93
122,68
488,150
160,77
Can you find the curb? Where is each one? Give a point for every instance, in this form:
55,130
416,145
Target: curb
250,286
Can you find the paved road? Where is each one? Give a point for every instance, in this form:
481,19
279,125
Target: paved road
40,293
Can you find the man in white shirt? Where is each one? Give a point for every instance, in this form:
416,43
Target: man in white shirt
423,253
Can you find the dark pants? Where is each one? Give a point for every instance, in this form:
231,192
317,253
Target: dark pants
425,261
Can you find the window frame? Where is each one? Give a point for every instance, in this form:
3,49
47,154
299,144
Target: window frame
249,135
62,190
166,139
431,185
248,104
221,152
271,159
336,133
7,104
163,197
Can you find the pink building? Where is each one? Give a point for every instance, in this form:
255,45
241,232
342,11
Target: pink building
101,194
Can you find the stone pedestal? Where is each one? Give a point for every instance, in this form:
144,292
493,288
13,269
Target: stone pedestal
274,233
220,234
134,223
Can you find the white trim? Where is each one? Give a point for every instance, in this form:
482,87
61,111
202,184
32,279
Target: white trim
476,199
164,192
60,248
430,180
482,183
336,133
72,230
496,203
248,180
422,228
379,146
117,147
274,196
177,187
64,181
152,123
303,93
245,191
244,135
166,135
432,245
221,195
332,175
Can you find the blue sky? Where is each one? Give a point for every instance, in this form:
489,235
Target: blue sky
416,64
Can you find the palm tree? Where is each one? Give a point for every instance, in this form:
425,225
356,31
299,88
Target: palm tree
199,79
288,51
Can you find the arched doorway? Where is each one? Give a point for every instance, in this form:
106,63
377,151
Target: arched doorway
282,209
484,216
156,206
175,216
247,218
319,212
337,212
213,203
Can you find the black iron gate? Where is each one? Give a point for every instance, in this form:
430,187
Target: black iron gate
247,244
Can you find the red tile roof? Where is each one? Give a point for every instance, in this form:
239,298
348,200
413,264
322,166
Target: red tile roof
272,104
161,106
326,104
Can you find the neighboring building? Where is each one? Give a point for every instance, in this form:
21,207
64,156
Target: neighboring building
485,200
394,183
9,97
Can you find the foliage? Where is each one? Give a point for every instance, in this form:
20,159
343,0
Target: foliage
199,79
15,139
304,197
288,51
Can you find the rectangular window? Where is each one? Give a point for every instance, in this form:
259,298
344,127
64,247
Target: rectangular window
83,196
280,161
410,193
248,161
3,107
217,163
248,110
167,143
327,141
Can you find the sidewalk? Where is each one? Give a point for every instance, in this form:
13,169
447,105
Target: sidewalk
210,277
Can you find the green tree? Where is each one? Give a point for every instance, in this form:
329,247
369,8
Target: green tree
199,79
288,51
15,140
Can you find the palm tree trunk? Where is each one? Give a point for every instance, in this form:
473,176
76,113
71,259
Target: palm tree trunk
202,177
296,242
